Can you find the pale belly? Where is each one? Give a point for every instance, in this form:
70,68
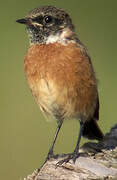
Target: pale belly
62,102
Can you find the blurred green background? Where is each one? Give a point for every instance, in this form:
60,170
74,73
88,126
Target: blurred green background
25,135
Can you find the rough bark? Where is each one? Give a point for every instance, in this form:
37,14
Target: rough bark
97,161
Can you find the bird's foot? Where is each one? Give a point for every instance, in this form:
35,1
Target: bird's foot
49,156
72,157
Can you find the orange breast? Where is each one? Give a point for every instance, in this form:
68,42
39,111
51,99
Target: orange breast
62,79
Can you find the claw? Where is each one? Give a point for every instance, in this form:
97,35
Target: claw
75,157
72,157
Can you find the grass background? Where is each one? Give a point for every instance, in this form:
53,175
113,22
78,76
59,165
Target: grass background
25,136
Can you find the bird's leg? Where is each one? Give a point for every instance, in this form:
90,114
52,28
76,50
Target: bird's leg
75,154
50,153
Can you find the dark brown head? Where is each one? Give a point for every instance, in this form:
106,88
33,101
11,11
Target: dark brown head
48,24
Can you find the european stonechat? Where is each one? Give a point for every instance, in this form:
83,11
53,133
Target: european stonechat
60,74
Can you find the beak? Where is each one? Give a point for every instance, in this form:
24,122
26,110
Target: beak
23,21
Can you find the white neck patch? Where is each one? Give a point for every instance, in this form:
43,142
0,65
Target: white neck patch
60,37
53,39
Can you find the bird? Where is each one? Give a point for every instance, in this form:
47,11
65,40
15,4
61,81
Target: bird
60,74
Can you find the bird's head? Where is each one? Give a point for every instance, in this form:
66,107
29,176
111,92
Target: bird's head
48,24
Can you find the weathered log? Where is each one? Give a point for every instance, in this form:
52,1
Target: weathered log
97,161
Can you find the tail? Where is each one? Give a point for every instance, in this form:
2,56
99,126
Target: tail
92,131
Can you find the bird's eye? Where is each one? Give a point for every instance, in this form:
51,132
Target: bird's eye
48,19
